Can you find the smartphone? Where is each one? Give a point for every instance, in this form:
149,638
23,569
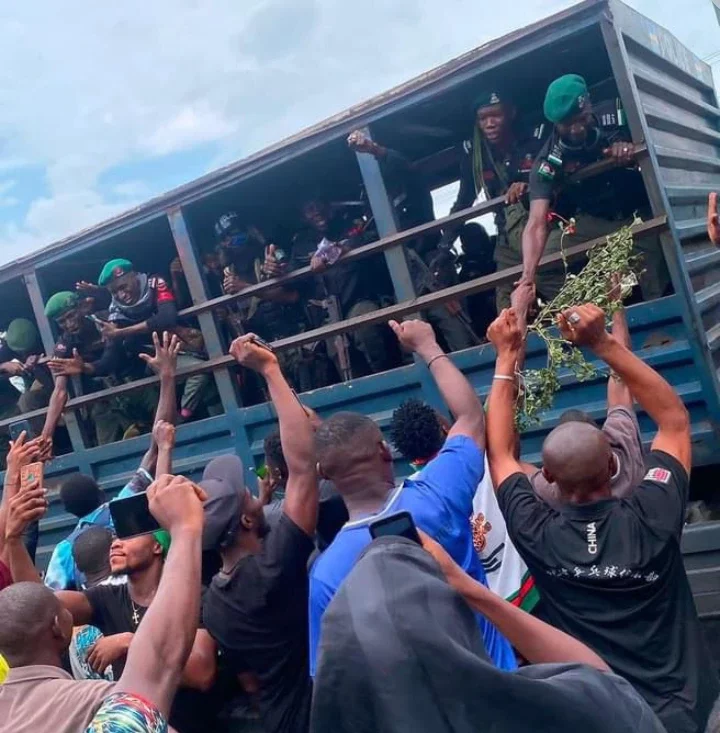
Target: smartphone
131,516
262,343
31,474
396,525
15,428
262,472
97,321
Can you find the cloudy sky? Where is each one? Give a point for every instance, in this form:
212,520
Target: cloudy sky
103,105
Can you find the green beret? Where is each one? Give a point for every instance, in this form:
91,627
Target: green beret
162,537
22,335
488,98
113,270
61,303
565,97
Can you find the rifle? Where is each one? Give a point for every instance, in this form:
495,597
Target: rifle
439,274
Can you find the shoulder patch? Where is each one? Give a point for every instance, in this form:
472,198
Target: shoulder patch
660,475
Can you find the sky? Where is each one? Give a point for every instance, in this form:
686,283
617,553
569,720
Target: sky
104,105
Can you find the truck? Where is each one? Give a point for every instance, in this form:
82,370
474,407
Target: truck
668,96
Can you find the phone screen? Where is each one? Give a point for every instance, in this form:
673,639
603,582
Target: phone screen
397,525
15,428
131,516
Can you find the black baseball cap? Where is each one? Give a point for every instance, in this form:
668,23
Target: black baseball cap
224,483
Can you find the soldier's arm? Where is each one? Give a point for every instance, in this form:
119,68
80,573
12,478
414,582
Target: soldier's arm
534,238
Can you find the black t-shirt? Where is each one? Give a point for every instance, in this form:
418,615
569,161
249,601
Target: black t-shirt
114,612
615,194
258,615
611,574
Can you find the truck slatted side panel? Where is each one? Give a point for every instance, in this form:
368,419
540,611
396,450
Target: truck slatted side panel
680,107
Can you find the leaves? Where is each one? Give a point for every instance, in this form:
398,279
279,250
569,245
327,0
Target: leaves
592,285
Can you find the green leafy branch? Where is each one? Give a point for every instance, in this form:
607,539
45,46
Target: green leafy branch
614,257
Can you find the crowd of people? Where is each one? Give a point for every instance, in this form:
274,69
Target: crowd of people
518,597
104,328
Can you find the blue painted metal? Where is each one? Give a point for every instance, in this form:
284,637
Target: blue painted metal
395,259
635,43
672,107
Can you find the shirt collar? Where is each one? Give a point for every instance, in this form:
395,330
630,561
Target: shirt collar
592,510
36,672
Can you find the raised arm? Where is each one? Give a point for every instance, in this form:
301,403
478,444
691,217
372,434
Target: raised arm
23,509
164,364
460,397
505,334
584,325
164,639
537,641
164,439
296,437
618,393
22,452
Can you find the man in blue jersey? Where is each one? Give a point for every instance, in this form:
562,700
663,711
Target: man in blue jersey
352,453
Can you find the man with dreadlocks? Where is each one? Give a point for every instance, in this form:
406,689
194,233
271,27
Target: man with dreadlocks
498,161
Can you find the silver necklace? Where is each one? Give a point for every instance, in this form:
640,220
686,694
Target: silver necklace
135,613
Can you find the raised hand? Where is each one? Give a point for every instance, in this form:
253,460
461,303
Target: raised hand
583,325
164,362
247,352
71,367
22,453
23,509
504,332
89,289
176,503
164,434
416,336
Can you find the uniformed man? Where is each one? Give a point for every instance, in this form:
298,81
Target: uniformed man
600,205
246,259
358,288
20,352
413,205
498,161
78,348
141,305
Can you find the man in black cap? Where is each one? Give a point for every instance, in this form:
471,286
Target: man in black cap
497,161
256,607
594,207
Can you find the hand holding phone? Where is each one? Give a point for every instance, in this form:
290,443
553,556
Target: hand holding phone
131,516
396,525
31,475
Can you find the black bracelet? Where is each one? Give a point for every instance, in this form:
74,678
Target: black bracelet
435,358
